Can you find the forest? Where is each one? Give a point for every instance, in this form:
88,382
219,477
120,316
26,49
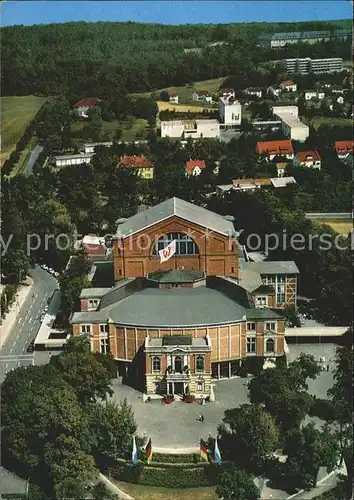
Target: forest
105,58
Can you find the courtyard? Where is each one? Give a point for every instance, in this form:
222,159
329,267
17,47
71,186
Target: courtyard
176,425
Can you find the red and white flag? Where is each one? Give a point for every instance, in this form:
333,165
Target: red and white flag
167,252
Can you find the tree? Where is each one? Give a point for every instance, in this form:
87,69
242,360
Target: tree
101,492
308,449
113,427
248,435
15,265
80,368
234,484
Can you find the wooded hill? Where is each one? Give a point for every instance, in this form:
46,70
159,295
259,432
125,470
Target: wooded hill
91,58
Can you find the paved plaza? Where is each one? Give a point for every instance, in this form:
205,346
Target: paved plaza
176,425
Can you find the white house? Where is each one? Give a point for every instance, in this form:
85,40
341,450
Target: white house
196,129
227,93
67,160
173,98
202,95
340,100
85,105
274,91
229,111
90,146
255,91
288,86
194,167
279,182
309,159
314,94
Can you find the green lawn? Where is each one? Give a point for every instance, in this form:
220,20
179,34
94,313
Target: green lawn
333,122
139,492
16,114
139,127
185,92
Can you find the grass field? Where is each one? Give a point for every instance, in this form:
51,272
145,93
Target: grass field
339,225
185,92
334,122
139,492
16,114
139,128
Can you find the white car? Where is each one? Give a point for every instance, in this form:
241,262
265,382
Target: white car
56,274
51,271
43,266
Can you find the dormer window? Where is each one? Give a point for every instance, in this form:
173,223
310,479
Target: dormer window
93,303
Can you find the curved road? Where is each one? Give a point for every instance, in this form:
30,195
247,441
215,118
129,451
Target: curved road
14,351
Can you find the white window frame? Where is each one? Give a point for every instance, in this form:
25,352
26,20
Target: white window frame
279,283
85,329
265,345
104,345
249,326
268,326
152,364
251,341
261,300
93,303
196,368
104,328
200,387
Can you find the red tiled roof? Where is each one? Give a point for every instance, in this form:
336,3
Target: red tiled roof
288,83
255,182
283,147
134,162
343,146
253,89
191,164
90,102
92,249
203,92
308,156
227,91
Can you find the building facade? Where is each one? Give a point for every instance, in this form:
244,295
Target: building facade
173,325
67,160
292,127
307,65
230,111
196,129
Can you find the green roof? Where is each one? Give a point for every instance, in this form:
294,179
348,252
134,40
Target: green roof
261,314
176,276
177,340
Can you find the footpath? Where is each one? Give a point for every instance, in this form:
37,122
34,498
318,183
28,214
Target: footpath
8,322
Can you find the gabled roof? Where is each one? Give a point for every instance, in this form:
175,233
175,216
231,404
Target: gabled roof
191,164
275,147
282,181
89,102
272,267
344,146
253,89
134,162
254,182
308,156
202,92
176,276
178,208
288,83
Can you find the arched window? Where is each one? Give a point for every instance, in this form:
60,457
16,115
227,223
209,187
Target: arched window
270,345
178,364
199,365
156,364
184,244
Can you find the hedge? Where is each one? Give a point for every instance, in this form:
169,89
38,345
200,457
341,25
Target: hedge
178,458
171,477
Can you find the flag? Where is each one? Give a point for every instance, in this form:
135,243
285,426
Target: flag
217,455
134,453
203,450
167,252
148,451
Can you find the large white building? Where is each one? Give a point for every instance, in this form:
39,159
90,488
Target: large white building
90,146
229,111
307,65
292,127
67,160
196,129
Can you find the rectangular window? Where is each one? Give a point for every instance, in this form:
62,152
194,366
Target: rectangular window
251,345
251,327
280,298
85,328
200,387
104,328
271,326
93,302
261,301
104,345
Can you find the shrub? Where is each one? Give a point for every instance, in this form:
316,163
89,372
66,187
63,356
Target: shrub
281,362
176,459
253,365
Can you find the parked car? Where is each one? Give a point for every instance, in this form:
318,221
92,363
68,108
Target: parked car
56,274
30,347
43,266
51,271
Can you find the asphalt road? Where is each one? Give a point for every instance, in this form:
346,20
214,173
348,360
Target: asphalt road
14,351
32,159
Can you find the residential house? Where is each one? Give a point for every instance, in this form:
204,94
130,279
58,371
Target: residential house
340,99
254,91
172,98
309,159
274,91
276,148
224,92
68,160
202,95
196,129
94,247
343,148
314,94
194,167
144,167
279,182
230,111
288,86
243,185
85,105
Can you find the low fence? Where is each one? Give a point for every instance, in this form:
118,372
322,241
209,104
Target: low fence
329,215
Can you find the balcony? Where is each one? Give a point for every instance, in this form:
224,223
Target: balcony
173,376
